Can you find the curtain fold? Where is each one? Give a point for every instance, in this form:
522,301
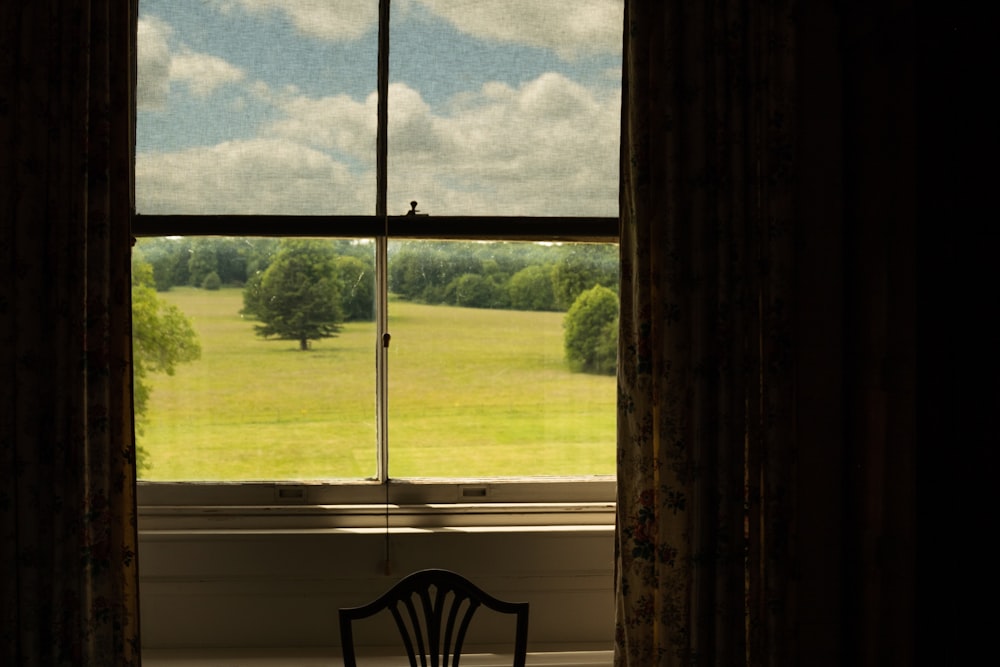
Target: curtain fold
69,586
705,547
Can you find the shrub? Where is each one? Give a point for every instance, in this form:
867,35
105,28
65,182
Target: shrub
591,332
211,281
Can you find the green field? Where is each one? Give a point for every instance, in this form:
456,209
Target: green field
472,393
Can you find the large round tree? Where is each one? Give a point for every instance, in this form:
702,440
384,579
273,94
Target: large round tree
298,296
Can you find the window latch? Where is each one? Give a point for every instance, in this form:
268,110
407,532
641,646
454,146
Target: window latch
413,209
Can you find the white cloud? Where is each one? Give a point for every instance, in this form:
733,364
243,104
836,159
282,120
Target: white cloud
337,123
203,73
257,176
334,20
567,28
153,59
548,147
158,67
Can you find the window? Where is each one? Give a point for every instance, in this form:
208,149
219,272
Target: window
363,231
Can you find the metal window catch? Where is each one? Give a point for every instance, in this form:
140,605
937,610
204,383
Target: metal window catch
413,209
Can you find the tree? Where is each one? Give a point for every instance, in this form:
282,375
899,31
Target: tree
202,261
169,258
591,332
475,291
259,253
531,289
407,277
162,337
357,278
231,259
426,271
298,296
582,266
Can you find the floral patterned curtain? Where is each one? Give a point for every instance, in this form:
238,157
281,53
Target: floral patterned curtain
68,586
705,547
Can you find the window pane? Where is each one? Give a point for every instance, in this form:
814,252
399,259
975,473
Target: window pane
215,398
505,107
256,107
502,359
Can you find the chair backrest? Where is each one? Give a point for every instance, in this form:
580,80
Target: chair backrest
432,610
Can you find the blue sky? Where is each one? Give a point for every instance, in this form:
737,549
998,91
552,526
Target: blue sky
264,106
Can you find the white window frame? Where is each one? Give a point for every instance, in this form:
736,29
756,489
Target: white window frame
384,502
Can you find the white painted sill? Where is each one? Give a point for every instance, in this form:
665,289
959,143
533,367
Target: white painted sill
410,504
377,518
330,658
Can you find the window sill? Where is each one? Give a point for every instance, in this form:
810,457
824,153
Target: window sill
365,518
310,658
419,504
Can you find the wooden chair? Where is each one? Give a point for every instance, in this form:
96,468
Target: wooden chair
432,610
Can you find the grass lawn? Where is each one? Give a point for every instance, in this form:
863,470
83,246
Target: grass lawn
472,393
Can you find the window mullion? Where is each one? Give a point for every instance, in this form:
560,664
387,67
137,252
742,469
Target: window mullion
381,137
381,248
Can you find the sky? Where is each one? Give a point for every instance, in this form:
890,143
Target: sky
496,107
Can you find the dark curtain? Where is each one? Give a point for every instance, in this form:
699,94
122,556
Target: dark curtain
69,584
704,551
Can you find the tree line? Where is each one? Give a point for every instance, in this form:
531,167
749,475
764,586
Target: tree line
304,289
518,276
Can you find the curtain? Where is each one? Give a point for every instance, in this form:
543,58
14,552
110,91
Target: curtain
69,584
705,556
